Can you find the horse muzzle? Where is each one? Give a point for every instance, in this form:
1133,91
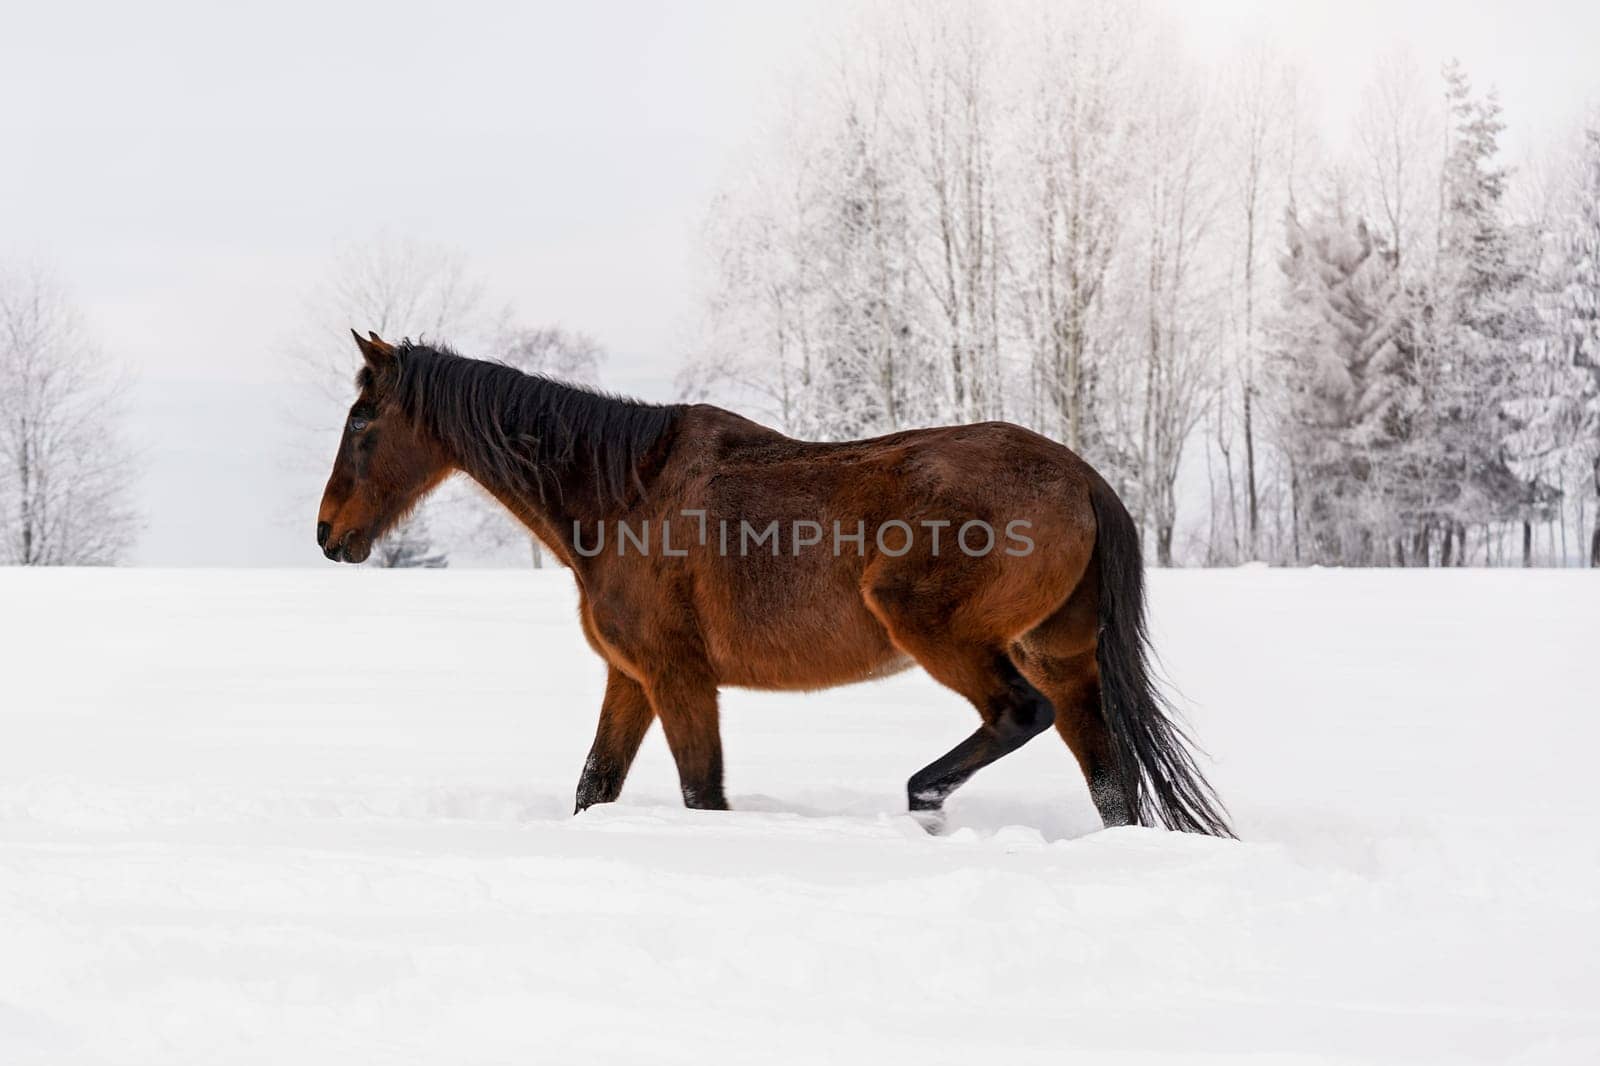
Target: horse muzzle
352,547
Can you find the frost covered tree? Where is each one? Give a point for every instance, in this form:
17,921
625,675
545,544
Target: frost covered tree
1259,127
834,261
854,290
1264,151
1337,368
397,288
1405,422
949,61
553,351
1048,213
1074,166
1480,325
408,547
980,212
1167,361
1399,131
1437,336
809,316
1394,180
1558,417
65,467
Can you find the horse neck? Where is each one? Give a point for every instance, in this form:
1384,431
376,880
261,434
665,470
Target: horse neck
560,495
550,522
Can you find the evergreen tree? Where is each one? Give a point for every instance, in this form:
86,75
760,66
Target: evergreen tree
1336,365
1479,328
1580,299
1559,418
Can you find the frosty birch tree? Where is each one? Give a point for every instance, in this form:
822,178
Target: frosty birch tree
752,341
1177,339
1080,137
65,468
1399,132
815,308
948,60
1258,122
854,282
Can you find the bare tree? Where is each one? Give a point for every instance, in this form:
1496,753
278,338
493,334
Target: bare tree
554,351
1174,298
1074,175
557,352
948,59
1258,121
398,288
1399,136
64,465
817,311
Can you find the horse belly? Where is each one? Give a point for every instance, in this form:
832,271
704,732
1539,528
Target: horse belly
803,649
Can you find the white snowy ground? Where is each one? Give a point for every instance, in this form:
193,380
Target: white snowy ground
324,816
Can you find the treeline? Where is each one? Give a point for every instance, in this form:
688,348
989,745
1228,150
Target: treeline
1047,213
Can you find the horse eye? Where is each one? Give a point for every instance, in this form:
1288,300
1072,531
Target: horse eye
357,425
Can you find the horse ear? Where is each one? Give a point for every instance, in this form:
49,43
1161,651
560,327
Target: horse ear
377,352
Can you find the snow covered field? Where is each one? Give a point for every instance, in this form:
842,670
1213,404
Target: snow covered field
324,816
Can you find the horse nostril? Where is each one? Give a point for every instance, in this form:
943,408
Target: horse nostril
323,529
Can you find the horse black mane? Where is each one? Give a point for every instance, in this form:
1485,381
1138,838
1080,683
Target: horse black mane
527,431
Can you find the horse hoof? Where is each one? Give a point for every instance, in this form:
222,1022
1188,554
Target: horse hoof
932,821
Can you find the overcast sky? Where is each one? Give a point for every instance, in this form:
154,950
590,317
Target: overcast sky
190,168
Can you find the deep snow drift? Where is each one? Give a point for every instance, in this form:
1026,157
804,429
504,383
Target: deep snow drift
324,816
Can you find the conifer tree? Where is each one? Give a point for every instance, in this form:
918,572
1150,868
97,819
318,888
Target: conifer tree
1482,324
1337,374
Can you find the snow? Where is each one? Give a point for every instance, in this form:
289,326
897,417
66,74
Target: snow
324,816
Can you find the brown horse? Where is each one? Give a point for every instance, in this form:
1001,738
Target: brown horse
711,551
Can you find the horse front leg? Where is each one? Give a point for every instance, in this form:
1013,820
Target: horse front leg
685,699
625,716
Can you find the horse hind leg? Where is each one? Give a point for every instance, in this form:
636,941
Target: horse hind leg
1014,712
1072,684
1058,658
935,625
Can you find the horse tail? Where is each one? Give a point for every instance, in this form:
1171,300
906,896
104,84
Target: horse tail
1159,778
